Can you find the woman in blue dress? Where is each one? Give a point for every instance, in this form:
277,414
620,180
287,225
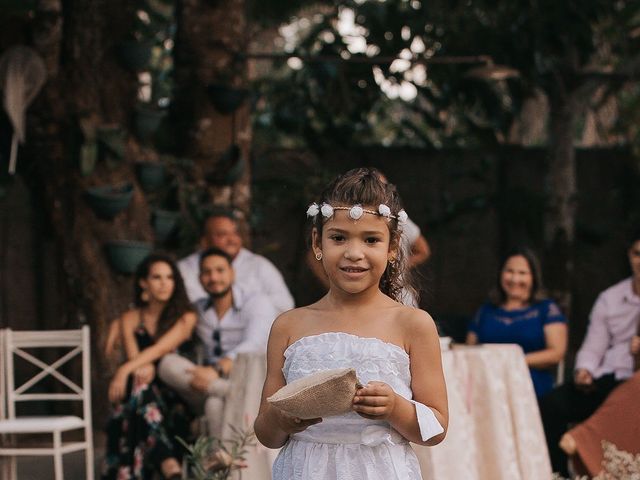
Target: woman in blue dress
518,313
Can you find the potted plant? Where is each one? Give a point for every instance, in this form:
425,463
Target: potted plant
109,200
112,140
151,175
212,459
164,223
135,54
125,255
147,120
229,168
226,99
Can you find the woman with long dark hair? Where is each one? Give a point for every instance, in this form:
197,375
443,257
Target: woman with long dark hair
148,416
518,312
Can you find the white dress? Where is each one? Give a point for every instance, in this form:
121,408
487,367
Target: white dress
350,447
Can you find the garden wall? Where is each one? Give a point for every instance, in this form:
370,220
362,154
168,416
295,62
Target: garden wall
471,205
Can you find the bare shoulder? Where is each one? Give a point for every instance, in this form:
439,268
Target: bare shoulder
292,323
416,324
190,317
130,318
289,319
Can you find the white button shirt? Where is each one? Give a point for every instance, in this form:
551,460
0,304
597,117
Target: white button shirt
254,273
614,320
243,328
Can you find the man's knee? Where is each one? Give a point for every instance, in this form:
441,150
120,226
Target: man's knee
172,370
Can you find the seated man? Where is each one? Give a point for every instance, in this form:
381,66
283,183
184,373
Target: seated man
603,361
231,321
253,272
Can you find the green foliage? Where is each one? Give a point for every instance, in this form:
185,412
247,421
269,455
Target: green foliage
273,12
553,45
205,460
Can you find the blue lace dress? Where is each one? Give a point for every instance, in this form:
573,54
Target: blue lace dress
525,327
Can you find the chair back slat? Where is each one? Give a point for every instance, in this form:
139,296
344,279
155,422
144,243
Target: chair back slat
30,349
48,370
46,339
15,344
3,412
30,397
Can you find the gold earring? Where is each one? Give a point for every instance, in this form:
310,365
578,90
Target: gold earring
144,296
392,261
319,256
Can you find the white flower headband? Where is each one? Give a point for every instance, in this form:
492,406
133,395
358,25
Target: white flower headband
356,212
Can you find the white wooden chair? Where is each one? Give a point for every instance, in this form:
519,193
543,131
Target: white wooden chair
20,344
4,463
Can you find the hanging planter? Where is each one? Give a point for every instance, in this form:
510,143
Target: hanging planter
88,158
229,168
226,99
164,223
135,55
109,200
112,140
147,121
125,255
151,175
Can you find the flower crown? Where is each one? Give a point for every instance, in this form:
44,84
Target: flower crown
356,212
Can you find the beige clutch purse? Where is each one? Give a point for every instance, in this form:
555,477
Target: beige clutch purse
322,394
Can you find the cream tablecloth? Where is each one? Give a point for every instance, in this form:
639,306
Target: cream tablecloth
494,433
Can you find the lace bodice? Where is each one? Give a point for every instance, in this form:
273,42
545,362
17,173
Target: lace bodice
372,358
348,447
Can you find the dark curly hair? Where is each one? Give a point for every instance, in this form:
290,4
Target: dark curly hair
364,186
177,305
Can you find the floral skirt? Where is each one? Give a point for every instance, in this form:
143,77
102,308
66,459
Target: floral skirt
142,431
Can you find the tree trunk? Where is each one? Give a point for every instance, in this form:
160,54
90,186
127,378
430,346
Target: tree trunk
208,34
84,81
561,191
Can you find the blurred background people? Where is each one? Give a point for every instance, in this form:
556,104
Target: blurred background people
253,272
519,313
231,321
148,416
603,361
615,421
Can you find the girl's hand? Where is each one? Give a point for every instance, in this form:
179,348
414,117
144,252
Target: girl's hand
144,375
376,401
635,345
290,424
118,386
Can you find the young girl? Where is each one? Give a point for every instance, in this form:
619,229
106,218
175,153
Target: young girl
141,431
359,323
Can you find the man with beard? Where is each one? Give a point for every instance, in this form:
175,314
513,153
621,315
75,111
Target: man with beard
253,272
231,321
